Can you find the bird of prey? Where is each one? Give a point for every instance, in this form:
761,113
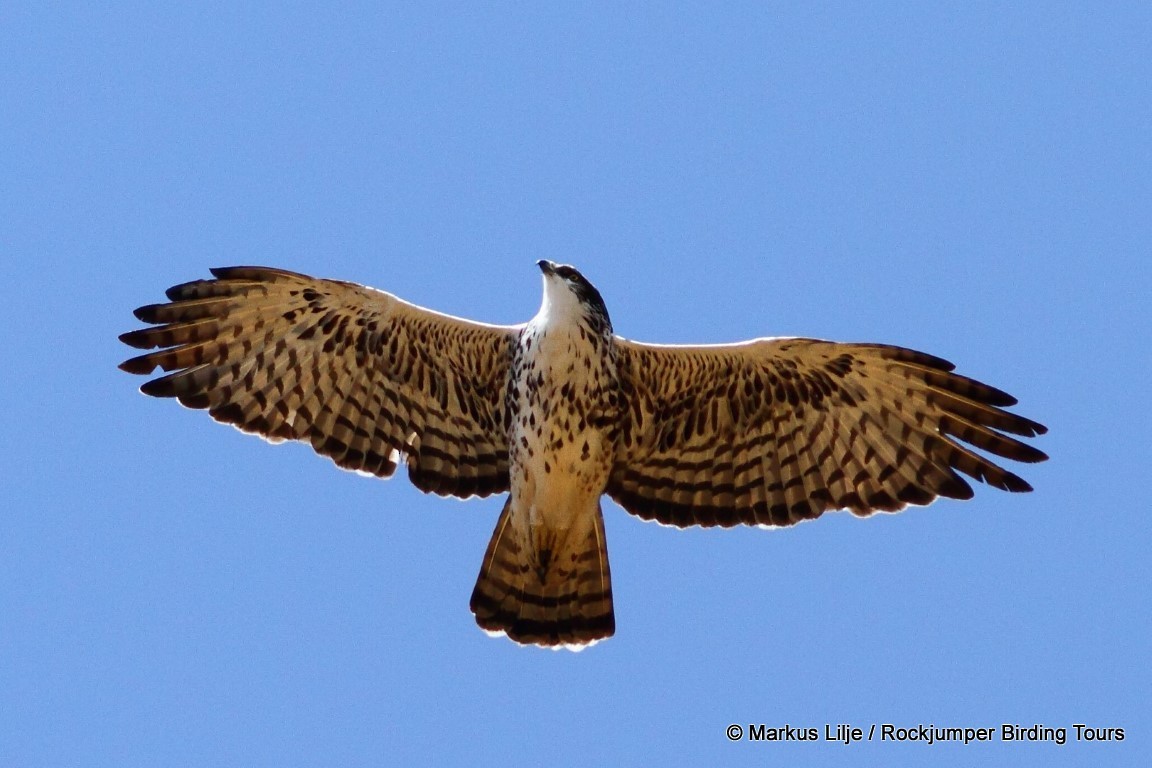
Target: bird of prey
559,411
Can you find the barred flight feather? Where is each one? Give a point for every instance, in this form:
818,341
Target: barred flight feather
863,427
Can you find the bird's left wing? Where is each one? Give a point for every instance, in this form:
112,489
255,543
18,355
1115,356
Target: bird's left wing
774,431
359,374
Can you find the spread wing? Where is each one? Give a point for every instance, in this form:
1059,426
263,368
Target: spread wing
774,431
359,374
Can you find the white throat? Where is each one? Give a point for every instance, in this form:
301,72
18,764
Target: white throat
560,307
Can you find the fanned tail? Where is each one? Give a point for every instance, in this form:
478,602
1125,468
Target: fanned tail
542,597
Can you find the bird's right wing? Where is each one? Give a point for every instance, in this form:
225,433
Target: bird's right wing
359,374
774,431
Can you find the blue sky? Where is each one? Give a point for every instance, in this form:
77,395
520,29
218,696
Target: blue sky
973,181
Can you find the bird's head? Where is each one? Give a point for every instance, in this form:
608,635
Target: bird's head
569,296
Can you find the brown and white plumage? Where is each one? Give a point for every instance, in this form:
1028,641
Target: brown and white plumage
361,375
560,411
775,431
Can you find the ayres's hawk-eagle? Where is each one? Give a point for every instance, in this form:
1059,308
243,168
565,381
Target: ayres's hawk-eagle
560,411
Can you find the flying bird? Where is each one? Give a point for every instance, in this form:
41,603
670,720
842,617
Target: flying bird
559,411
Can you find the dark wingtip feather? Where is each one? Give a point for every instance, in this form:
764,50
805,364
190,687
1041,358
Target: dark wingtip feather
181,291
147,313
1017,425
1028,454
904,354
998,397
262,274
138,339
161,387
1015,484
141,365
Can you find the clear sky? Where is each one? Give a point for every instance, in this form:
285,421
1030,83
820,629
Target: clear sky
975,182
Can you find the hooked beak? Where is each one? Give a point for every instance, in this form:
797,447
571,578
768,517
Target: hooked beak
547,267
